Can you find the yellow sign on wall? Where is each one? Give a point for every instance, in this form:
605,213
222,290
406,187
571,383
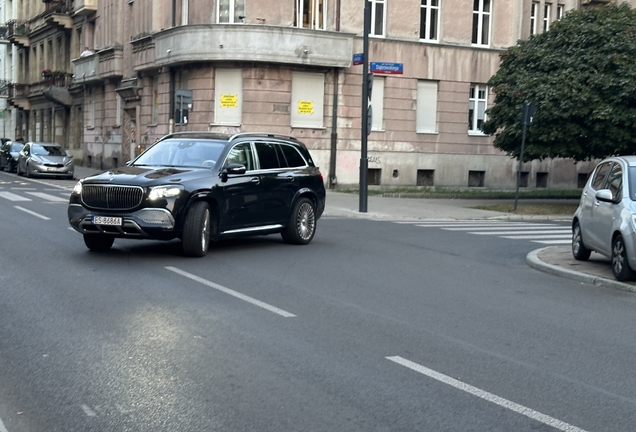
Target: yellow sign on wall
229,101
305,107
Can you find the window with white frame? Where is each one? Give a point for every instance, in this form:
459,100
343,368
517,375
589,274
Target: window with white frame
184,12
546,16
481,22
310,14
477,103
377,102
429,20
560,11
307,103
229,11
378,17
426,117
533,18
228,96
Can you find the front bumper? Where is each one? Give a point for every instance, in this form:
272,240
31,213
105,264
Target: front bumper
47,171
148,223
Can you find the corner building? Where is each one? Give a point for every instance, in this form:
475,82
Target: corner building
283,66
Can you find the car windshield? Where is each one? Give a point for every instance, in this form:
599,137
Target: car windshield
47,150
182,152
16,146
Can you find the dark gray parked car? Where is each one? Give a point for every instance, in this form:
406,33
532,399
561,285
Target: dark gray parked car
9,152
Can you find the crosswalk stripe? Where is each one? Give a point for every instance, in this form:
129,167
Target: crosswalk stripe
530,237
503,228
13,197
563,242
483,226
48,197
499,233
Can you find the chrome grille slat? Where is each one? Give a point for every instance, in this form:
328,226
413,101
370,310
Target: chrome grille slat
108,197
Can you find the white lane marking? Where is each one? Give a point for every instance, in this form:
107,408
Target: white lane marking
505,403
231,292
447,221
13,197
503,228
2,428
48,197
563,242
502,233
32,213
89,412
530,237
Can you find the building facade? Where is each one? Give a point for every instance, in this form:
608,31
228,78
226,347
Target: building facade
107,78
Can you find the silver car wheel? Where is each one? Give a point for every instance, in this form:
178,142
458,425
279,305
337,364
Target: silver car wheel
618,256
205,230
306,222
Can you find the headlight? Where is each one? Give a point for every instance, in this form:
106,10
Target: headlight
70,161
77,189
159,192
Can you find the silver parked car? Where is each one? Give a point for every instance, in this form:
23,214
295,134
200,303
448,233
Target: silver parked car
45,159
605,220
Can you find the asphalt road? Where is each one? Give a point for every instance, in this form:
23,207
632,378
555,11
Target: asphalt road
374,326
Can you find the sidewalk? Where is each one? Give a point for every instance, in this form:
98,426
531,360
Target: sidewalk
556,260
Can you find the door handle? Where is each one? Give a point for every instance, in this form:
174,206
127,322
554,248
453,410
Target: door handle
290,178
255,180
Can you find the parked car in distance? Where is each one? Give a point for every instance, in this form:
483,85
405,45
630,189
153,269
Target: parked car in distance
605,220
45,159
9,152
200,187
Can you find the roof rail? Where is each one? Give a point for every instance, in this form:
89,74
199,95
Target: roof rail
264,134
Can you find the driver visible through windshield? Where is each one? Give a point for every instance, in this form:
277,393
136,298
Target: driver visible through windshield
182,153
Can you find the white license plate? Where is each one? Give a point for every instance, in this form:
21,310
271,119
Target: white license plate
106,220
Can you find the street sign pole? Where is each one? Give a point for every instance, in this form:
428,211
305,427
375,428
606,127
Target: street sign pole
526,120
364,161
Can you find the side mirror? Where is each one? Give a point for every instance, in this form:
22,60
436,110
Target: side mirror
604,195
234,169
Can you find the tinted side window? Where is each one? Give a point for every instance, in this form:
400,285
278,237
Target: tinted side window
294,159
615,182
599,175
267,155
241,153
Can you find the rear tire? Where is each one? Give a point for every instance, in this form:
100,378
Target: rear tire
620,263
196,230
302,223
579,251
98,243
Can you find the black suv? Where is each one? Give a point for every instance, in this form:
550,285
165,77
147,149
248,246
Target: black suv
200,186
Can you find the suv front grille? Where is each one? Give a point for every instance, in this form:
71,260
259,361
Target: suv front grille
108,197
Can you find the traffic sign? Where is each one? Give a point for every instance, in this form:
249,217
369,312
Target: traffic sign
387,68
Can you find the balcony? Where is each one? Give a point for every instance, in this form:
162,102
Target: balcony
252,43
85,7
111,62
18,96
4,89
17,33
86,69
143,53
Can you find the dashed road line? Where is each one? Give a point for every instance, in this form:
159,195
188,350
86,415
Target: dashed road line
505,403
231,292
2,428
32,213
89,412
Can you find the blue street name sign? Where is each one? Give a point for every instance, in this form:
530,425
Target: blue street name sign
358,58
387,68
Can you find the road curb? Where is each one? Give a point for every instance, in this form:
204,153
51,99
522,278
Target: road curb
533,260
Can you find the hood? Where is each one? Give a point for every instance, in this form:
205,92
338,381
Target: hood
51,159
148,176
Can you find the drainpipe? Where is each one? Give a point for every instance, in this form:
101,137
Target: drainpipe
334,118
172,84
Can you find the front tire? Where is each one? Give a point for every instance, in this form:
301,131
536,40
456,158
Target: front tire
620,263
580,252
27,173
98,243
302,223
196,230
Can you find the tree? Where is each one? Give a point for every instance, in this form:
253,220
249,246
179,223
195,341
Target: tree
582,76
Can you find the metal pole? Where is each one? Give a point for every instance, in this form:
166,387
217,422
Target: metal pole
364,161
524,121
